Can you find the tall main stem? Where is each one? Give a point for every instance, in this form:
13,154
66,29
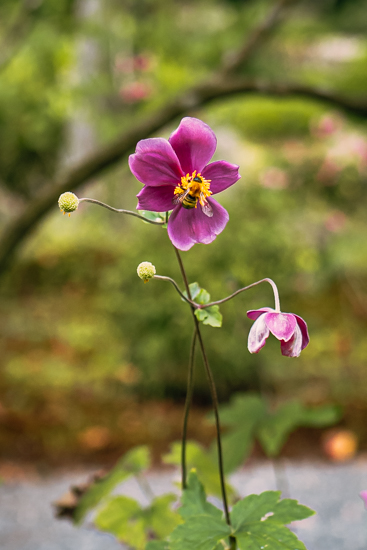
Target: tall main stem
190,386
213,393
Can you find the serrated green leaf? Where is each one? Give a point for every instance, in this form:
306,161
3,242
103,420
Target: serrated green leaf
202,532
210,316
122,517
288,510
194,499
258,522
131,463
205,465
253,508
157,545
269,536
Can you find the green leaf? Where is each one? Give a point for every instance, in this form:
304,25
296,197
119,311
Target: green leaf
203,297
276,427
205,465
194,499
122,517
253,508
137,460
202,532
132,463
210,316
321,417
270,536
154,216
242,416
157,545
258,522
288,510
159,516
194,290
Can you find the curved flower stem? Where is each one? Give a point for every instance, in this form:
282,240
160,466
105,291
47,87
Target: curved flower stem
163,278
190,386
213,392
270,281
120,210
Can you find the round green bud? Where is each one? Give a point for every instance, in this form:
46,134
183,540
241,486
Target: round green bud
68,202
146,271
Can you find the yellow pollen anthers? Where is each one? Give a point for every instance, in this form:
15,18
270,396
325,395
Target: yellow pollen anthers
198,187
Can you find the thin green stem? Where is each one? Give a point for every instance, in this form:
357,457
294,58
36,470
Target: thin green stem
190,387
173,282
266,280
121,211
213,393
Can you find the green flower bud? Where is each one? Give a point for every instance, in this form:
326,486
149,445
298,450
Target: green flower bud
68,202
146,271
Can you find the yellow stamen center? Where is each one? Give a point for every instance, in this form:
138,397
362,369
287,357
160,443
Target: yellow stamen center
198,187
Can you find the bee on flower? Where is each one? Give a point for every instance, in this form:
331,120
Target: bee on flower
177,176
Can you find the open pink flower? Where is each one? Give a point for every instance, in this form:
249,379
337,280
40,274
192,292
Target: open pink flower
176,176
290,329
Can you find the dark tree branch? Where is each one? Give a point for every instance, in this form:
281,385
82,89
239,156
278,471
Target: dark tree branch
257,37
110,155
193,99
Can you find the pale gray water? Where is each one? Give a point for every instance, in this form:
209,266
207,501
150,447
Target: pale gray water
27,522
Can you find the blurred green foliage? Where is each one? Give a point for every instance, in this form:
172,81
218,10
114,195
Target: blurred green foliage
80,332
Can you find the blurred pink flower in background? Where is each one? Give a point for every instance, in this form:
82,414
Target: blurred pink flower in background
128,64
335,222
274,178
326,126
135,92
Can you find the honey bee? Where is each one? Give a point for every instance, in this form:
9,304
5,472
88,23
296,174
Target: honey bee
190,201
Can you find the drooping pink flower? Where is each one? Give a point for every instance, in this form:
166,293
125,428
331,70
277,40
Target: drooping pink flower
290,329
176,176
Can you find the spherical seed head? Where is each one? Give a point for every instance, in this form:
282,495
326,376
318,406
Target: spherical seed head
146,271
68,202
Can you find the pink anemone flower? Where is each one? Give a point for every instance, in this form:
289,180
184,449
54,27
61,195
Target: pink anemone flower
176,176
290,329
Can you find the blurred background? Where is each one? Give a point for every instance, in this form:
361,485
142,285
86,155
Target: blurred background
93,361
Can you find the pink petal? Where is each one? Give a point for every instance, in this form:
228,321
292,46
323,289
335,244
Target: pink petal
194,143
187,227
282,325
255,313
293,347
303,326
363,495
156,199
258,335
222,175
155,163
